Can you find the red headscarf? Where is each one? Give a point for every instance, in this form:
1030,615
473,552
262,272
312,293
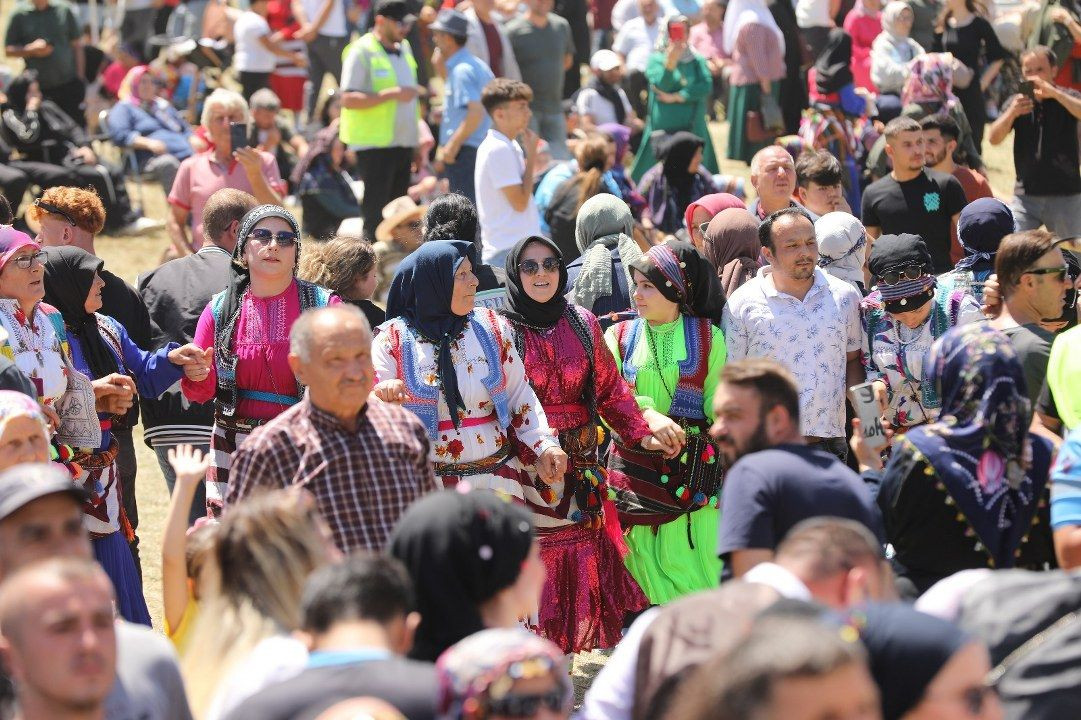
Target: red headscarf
712,204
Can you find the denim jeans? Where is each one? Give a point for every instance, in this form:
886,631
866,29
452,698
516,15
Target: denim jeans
198,503
460,173
553,128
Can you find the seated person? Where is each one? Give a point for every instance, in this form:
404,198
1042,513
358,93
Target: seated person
152,127
400,233
323,185
270,133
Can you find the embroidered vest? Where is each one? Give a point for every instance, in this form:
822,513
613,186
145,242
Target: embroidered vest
689,395
225,399
424,396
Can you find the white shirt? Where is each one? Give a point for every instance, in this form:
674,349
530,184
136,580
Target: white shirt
635,42
601,110
500,164
250,55
335,24
810,337
813,13
272,660
625,10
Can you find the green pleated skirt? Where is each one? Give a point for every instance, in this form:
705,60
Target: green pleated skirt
665,563
742,98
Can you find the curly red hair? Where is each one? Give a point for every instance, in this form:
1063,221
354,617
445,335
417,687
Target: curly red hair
84,207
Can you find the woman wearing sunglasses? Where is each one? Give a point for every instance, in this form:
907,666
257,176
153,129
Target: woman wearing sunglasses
244,331
902,317
504,674
575,378
671,356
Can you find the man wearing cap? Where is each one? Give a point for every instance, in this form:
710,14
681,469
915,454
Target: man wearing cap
603,100
380,112
400,233
41,517
464,121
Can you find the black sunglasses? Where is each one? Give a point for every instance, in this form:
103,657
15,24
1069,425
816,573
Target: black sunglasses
532,267
262,236
1060,271
54,210
896,275
526,706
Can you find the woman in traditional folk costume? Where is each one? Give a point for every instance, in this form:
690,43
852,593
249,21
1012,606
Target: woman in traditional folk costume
671,356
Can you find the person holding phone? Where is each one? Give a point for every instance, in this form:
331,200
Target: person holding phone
1045,148
680,85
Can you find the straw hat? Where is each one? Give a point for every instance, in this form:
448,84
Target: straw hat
395,213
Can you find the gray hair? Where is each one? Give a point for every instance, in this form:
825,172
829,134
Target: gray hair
300,335
265,99
222,98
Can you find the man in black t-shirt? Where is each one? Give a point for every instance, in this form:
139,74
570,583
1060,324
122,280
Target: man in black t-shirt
774,481
1045,147
912,198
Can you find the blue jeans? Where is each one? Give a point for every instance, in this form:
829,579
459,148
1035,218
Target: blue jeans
198,503
460,173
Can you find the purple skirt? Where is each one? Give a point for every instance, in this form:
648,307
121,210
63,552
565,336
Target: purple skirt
114,555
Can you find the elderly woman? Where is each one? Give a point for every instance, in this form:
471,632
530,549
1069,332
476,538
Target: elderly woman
244,330
671,356
902,318
891,52
972,489
731,244
24,431
757,48
842,247
980,229
929,81
456,367
599,279
680,85
676,181
100,347
588,590
151,126
504,673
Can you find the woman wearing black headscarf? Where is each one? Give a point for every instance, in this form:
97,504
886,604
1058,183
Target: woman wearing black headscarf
675,182
456,368
832,80
474,564
671,356
925,667
100,347
588,589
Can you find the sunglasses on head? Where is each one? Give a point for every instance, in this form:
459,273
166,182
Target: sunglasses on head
54,210
532,267
907,272
1059,271
526,706
262,236
27,261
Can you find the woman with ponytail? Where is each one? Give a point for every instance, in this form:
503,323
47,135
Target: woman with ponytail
589,180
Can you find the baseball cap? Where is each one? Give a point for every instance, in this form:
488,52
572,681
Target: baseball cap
395,10
604,60
22,484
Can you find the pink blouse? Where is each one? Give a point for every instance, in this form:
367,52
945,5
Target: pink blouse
757,56
863,29
261,343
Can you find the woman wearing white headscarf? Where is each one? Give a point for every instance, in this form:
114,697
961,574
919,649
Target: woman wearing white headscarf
842,243
890,53
756,45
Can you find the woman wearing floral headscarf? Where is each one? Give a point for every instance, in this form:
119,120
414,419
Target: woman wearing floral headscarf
680,85
24,431
972,489
244,331
929,84
671,356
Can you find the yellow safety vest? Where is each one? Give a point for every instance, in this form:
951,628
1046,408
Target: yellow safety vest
374,126
1064,377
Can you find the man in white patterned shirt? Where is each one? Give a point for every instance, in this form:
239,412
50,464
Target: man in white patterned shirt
803,318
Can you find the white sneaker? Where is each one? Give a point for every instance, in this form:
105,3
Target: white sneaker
141,226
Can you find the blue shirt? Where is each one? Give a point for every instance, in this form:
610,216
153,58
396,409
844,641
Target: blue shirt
466,78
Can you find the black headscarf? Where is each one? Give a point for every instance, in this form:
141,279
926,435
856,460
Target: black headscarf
684,276
675,153
833,67
611,94
907,650
521,308
69,275
461,549
18,88
421,293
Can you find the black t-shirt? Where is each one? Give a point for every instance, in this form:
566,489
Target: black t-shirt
1045,151
408,685
766,493
924,205
1033,346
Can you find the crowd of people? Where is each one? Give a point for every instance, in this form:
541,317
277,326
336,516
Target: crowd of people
477,361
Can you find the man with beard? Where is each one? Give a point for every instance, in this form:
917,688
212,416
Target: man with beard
775,480
805,319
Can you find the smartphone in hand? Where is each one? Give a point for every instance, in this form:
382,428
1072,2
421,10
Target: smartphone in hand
1028,89
677,32
238,135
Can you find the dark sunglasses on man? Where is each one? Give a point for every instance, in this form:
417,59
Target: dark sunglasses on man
262,236
532,267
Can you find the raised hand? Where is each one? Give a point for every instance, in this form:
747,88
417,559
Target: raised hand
189,464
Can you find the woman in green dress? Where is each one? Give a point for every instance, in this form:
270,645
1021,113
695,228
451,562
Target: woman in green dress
757,48
680,85
671,356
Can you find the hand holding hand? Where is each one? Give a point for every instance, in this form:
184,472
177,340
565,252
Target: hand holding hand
189,464
392,391
551,465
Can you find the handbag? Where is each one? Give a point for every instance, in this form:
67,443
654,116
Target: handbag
755,128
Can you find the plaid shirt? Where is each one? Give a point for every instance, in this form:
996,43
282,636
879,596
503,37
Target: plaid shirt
362,481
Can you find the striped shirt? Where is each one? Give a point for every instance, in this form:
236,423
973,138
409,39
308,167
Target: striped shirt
362,481
756,57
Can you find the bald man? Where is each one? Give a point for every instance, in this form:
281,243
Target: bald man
58,638
773,176
364,460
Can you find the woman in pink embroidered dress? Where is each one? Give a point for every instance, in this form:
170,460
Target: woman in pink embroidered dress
245,331
588,590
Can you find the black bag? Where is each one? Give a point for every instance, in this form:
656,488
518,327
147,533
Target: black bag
1031,621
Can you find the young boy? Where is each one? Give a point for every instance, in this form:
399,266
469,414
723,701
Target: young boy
504,173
